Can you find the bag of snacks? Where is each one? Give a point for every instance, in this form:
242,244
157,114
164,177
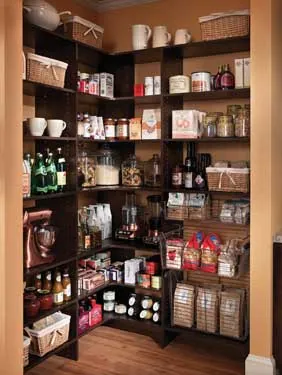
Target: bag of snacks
207,309
228,260
174,250
192,253
210,249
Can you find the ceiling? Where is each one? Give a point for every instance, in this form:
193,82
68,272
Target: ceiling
104,5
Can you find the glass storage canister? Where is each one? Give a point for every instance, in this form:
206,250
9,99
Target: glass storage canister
86,170
153,171
122,129
225,126
210,124
242,123
233,109
108,167
132,172
110,129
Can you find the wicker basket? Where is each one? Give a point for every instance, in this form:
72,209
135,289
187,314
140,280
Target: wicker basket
225,25
53,335
45,70
228,179
26,344
83,31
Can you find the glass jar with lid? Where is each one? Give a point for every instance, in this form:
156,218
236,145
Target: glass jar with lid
153,171
225,126
233,109
110,129
209,126
122,129
108,167
242,123
86,170
132,172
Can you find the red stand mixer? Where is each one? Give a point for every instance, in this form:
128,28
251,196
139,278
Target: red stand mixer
39,237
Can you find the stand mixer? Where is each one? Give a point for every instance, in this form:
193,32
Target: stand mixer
39,237
155,220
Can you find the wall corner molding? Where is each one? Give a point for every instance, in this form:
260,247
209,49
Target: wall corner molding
256,365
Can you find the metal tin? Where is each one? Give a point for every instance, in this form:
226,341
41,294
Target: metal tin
149,86
147,302
179,84
156,282
110,295
144,280
157,85
201,81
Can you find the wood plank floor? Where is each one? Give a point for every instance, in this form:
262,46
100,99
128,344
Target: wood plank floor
108,351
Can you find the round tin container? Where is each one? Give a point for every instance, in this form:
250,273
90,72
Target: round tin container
201,81
179,84
110,295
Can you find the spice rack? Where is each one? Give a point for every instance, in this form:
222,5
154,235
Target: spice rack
64,103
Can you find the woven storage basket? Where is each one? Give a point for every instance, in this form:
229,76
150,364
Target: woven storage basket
26,344
47,339
83,31
228,179
225,25
45,70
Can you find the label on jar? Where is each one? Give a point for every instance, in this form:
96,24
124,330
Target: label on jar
87,242
67,291
58,297
122,130
177,179
110,131
62,178
188,180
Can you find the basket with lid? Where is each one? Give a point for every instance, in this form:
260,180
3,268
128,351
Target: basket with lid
83,30
228,179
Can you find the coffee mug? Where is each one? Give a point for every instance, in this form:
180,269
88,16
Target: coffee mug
141,35
182,36
161,37
36,126
56,127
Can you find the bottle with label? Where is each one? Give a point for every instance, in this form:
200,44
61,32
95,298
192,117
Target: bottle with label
58,290
85,232
47,284
39,176
66,285
200,182
38,281
217,79
51,174
176,178
46,155
87,128
26,176
80,125
189,167
227,80
61,171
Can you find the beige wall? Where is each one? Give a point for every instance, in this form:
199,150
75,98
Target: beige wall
11,278
76,9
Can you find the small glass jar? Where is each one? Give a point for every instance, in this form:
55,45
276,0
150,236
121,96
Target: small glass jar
242,123
108,167
86,170
153,171
122,129
233,109
225,127
176,178
110,129
132,172
210,124
45,299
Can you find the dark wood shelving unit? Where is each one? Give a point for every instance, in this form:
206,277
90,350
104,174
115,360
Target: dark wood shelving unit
210,140
64,103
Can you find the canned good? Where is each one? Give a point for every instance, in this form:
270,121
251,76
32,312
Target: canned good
201,81
225,126
156,282
84,83
149,86
157,85
156,306
144,280
179,84
109,306
133,299
94,84
120,309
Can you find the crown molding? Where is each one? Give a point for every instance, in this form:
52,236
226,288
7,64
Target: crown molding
105,5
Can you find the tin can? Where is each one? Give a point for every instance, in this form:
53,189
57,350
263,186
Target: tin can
144,280
201,81
157,85
149,86
179,84
156,282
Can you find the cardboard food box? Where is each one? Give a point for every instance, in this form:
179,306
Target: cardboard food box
185,124
135,125
151,124
107,85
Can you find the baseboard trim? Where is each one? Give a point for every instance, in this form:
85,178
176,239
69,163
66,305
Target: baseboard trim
256,365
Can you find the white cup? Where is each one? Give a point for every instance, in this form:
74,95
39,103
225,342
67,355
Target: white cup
56,127
141,35
182,36
161,37
36,126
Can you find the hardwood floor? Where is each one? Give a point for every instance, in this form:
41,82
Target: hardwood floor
108,351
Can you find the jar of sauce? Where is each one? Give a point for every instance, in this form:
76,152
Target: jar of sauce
31,305
45,299
122,129
176,178
110,129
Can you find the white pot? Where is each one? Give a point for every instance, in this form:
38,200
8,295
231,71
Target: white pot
41,13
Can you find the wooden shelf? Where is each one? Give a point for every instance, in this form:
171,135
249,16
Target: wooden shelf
116,141
119,188
59,261
51,139
50,196
31,88
211,140
44,314
212,95
92,99
148,99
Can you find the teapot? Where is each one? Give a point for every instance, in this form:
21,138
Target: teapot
41,13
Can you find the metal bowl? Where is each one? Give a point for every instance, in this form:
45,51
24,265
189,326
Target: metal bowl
46,236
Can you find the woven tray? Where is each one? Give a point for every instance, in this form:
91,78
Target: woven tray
228,179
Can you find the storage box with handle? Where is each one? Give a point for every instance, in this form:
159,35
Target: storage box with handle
228,179
45,70
26,344
54,333
225,25
83,30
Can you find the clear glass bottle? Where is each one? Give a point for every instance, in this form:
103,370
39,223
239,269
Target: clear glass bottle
132,172
86,170
153,171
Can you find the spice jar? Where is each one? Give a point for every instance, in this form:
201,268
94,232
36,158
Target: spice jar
210,124
132,172
176,178
108,167
153,171
242,123
233,109
86,170
122,129
110,129
225,127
